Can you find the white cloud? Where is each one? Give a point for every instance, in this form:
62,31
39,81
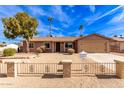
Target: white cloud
109,12
99,16
37,11
92,18
59,34
43,29
118,18
55,11
12,10
110,31
92,8
60,14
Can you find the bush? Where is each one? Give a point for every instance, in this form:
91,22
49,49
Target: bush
39,50
43,48
70,51
9,52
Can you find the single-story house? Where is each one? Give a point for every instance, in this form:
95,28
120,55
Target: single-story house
91,43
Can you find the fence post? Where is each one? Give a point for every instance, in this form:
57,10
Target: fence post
66,68
10,69
15,69
120,69
0,65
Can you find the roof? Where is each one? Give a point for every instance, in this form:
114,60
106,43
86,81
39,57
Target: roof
118,39
95,35
55,39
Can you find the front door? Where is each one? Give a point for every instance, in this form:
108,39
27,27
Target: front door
57,46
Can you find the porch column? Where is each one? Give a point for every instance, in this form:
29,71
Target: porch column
64,46
53,47
61,46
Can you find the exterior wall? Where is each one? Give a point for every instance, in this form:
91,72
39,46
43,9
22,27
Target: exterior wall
51,49
94,41
122,46
36,45
114,46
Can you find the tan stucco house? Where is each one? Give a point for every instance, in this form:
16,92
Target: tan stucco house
91,43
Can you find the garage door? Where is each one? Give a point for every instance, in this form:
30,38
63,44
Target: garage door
93,46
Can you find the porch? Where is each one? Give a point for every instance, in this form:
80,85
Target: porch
52,47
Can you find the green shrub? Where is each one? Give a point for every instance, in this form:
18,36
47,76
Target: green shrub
70,51
43,48
9,52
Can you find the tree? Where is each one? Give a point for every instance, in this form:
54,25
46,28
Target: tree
50,19
81,29
20,25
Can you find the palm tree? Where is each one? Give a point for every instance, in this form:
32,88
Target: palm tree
50,19
81,29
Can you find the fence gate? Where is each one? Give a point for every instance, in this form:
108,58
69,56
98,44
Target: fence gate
24,69
78,69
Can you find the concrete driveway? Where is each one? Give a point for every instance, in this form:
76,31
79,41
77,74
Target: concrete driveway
104,57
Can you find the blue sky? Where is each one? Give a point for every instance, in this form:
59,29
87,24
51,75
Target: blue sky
107,20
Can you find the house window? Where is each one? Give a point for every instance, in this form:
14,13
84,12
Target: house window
47,44
68,45
31,45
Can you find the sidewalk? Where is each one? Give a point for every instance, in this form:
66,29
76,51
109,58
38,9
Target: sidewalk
74,82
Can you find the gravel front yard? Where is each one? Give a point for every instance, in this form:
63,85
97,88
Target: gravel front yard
57,57
105,57
45,58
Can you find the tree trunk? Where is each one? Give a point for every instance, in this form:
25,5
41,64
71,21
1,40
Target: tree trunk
27,45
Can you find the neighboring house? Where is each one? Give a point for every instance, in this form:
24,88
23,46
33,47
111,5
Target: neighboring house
91,43
118,44
8,46
12,46
2,44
